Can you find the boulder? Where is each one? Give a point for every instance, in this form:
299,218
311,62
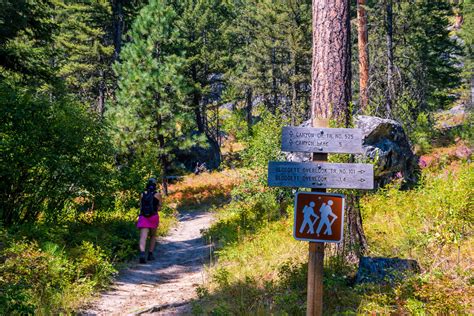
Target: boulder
386,145
385,270
208,153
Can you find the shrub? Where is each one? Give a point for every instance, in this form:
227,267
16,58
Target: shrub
54,269
52,152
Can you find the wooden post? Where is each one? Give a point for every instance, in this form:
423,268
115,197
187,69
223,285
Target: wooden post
316,253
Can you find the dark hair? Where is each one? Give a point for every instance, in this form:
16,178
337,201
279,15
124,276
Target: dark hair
151,184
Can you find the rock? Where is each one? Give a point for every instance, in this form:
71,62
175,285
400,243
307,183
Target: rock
463,152
386,145
385,270
209,154
454,117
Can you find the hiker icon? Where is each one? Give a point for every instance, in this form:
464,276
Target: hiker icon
326,211
308,212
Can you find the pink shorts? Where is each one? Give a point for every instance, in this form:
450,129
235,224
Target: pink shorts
148,222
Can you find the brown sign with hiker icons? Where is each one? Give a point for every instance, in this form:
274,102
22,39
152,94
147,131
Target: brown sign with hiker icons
319,217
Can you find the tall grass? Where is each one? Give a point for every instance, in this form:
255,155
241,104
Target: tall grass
48,269
263,270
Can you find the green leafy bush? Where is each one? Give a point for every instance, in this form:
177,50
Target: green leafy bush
53,269
265,142
52,152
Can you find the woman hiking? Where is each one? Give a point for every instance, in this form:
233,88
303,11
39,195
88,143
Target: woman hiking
148,220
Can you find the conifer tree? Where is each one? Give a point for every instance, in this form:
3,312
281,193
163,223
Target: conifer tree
424,58
273,57
26,30
151,114
202,24
85,49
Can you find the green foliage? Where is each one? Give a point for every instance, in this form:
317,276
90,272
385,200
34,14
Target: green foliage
84,49
35,279
431,224
448,220
234,124
52,269
244,217
467,35
150,116
270,45
425,59
25,41
52,152
422,133
264,145
253,204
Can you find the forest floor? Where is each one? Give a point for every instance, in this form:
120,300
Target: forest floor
168,285
164,286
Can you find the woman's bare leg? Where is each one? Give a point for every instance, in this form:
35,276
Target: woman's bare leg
143,236
152,239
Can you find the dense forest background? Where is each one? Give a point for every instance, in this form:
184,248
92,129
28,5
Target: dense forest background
96,96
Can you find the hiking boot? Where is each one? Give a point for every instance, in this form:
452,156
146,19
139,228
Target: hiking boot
151,257
142,258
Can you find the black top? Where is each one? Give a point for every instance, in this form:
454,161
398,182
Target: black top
156,203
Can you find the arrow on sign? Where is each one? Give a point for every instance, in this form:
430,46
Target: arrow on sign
361,171
362,180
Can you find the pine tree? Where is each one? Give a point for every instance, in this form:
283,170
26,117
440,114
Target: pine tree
424,58
363,50
202,24
272,57
26,30
151,113
85,49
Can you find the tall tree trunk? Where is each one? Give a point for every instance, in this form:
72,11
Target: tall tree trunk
294,104
331,84
331,67
274,80
363,38
101,98
294,111
356,244
248,108
162,158
118,21
197,104
389,26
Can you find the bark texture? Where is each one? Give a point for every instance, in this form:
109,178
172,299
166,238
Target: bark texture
363,40
331,91
331,68
389,27
248,108
118,23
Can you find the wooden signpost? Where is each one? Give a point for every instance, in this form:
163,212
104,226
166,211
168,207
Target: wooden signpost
324,140
320,175
319,217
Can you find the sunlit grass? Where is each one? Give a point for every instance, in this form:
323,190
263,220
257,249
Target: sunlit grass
431,224
203,190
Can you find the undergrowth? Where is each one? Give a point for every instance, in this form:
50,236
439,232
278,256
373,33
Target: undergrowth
203,190
261,269
50,269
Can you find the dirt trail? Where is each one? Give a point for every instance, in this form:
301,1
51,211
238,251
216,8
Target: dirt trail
164,286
